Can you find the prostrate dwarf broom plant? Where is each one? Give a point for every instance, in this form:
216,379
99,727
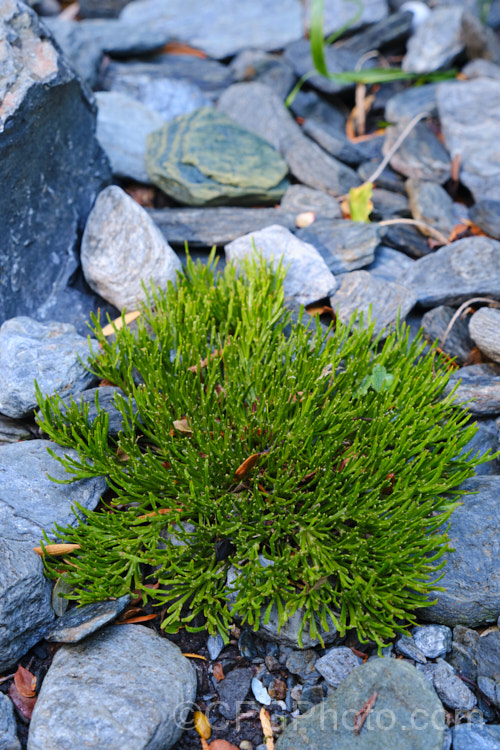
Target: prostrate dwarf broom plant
321,467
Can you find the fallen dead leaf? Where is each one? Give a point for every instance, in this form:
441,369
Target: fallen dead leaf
202,725
182,425
194,656
56,549
218,671
247,465
24,705
179,48
320,310
159,512
131,620
25,682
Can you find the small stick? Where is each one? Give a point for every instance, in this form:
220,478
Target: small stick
417,223
360,717
460,310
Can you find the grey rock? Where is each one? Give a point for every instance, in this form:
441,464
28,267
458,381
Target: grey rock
309,105
29,501
433,640
401,692
485,331
334,142
122,247
246,645
125,687
486,214
458,342
479,40
8,728
81,622
463,652
405,105
302,663
447,739
233,691
310,696
488,655
299,198
476,736
474,141
406,646
222,28
337,13
429,202
123,125
238,167
337,664
258,108
388,31
52,168
215,644
271,70
388,180
260,693
359,290
421,155
82,52
338,60
13,430
479,389
206,227
490,689
107,403
388,263
454,273
436,42
25,601
389,205
481,69
406,238
485,440
471,575
47,352
307,279
344,245
451,689
101,8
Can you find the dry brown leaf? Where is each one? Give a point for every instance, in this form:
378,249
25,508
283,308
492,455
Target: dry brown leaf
247,465
266,728
24,705
131,620
218,671
56,549
320,310
180,48
25,682
118,322
202,725
182,425
194,656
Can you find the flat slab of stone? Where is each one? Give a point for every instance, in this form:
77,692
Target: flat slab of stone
421,155
344,245
308,278
222,28
388,263
476,142
430,203
471,574
122,248
25,601
52,167
476,736
8,727
436,42
465,268
80,622
478,390
47,352
125,687
299,199
360,291
29,501
486,214
484,328
401,692
205,158
405,105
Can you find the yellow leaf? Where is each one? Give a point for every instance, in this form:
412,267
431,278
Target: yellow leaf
118,323
56,549
202,725
360,202
182,425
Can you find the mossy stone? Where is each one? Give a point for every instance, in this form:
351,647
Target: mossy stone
204,158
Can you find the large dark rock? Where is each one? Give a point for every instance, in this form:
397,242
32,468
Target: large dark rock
344,245
52,169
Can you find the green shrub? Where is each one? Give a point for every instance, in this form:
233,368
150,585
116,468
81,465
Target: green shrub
353,471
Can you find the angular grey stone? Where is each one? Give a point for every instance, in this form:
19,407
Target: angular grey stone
299,199
471,574
360,290
122,247
12,430
486,214
107,402
421,155
458,343
238,167
429,202
481,69
406,238
123,125
337,13
215,644
485,440
484,328
125,687
454,273
476,736
80,622
233,691
47,352
451,689
405,105
463,652
8,729
206,227
222,28
388,31
52,169
83,52
402,694
479,389
256,107
479,40
436,42
337,664
310,105
490,689
29,501
388,180
307,279
101,8
25,601
433,640
488,656
302,664
344,245
338,60
334,142
388,263
406,646
271,70
389,205
474,140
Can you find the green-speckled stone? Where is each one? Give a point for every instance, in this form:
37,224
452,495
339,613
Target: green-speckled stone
204,158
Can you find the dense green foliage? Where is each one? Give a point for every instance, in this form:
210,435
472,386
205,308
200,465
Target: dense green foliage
354,469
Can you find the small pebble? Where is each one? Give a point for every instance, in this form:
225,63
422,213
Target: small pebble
215,644
246,645
246,745
407,647
260,693
432,641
